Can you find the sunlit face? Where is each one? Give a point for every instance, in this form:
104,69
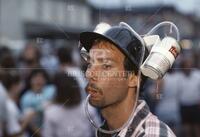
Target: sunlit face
108,84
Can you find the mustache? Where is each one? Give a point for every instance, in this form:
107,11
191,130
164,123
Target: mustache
91,86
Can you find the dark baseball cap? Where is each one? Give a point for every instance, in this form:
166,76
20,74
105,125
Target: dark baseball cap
122,37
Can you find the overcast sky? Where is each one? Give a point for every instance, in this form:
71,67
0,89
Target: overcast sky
185,6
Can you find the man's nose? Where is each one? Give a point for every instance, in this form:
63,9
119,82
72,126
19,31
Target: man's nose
92,73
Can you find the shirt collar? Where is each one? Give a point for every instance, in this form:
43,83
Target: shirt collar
141,111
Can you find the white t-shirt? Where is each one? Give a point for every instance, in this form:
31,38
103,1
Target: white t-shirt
189,88
13,118
169,103
9,113
66,122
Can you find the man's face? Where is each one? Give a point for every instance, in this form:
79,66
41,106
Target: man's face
108,83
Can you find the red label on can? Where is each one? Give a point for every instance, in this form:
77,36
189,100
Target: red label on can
173,51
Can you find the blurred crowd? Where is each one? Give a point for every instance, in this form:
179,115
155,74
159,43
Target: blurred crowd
42,93
175,99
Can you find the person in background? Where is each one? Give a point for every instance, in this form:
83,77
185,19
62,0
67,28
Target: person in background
48,58
65,117
68,58
16,123
169,102
29,59
189,97
3,106
38,95
6,62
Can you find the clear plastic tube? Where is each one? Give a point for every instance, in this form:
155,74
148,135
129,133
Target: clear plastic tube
128,122
163,24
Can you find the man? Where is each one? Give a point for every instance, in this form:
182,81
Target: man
112,55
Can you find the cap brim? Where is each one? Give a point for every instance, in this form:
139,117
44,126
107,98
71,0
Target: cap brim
87,39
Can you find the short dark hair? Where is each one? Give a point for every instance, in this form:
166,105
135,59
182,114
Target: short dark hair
33,73
7,61
6,58
135,48
11,78
130,67
65,55
68,90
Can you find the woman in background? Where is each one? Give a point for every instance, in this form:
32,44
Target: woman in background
65,117
38,96
16,123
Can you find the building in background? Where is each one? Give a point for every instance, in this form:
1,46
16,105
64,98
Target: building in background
29,19
21,20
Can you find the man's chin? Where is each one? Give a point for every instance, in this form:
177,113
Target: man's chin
95,103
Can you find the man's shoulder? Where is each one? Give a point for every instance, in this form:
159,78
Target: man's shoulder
154,127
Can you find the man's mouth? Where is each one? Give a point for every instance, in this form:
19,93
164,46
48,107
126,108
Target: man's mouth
93,95
92,90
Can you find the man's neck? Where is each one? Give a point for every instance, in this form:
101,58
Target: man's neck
118,114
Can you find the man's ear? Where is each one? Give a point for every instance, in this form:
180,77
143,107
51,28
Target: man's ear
132,80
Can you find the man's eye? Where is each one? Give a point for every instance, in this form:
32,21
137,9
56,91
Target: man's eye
105,66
